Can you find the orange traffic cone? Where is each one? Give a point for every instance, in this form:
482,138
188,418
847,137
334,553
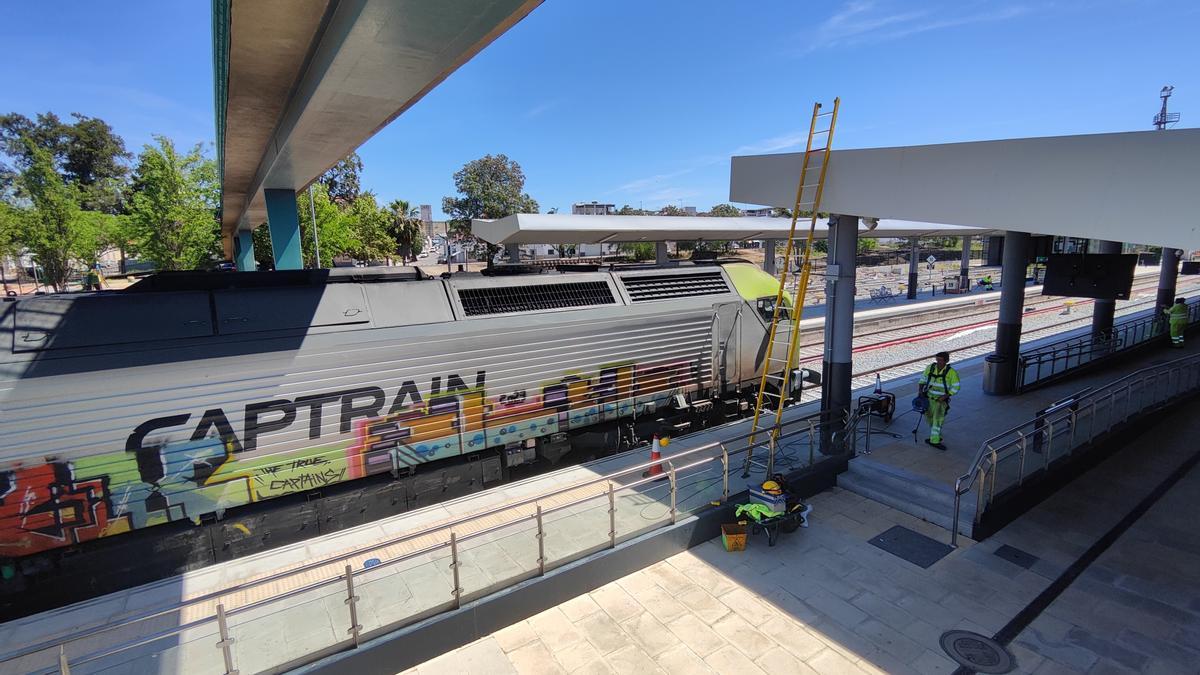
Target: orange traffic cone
655,455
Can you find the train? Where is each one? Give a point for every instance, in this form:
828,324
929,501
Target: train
188,396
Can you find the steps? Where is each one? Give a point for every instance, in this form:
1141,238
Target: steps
916,495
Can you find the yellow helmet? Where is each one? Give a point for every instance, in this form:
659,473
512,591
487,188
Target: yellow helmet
772,488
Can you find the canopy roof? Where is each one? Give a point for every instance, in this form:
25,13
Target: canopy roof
559,228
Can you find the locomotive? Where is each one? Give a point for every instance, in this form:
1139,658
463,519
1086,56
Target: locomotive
191,394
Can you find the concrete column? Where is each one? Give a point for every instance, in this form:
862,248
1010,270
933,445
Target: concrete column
1012,304
964,272
513,251
243,244
769,256
1168,274
660,252
912,268
284,222
1104,310
839,322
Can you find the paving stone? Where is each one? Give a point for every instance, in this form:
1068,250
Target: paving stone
515,635
792,636
889,640
702,604
578,607
554,630
647,631
602,632
679,660
837,609
934,663
598,667
1106,667
1140,642
631,660
532,659
779,661
616,602
739,633
702,574
481,656
729,660
746,604
577,656
696,634
830,662
1050,648
660,603
667,576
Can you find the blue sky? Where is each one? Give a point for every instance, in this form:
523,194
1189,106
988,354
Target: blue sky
643,101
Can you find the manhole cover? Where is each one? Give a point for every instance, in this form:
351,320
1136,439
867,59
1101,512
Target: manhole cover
976,652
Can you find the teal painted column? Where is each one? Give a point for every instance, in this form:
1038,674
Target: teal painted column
284,222
244,251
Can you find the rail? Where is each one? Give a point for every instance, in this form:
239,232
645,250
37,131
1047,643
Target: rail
1049,362
1005,461
379,589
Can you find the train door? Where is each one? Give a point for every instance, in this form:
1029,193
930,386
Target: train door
725,345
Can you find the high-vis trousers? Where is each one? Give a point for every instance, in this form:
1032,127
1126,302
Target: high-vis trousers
936,414
1177,328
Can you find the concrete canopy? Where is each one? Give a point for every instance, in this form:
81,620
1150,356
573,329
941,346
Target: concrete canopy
558,228
1137,187
301,83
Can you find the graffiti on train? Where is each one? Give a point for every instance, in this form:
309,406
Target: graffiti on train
187,465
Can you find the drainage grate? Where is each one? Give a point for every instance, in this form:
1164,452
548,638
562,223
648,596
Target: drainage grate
1016,556
914,547
976,652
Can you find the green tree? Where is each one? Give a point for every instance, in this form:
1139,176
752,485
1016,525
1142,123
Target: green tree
725,211
672,210
334,231
369,227
86,152
173,209
404,226
628,210
492,186
638,250
867,245
343,181
49,229
263,254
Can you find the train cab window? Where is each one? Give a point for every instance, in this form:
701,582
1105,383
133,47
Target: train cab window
766,309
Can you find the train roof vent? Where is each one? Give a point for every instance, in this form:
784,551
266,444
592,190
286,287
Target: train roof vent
643,288
534,297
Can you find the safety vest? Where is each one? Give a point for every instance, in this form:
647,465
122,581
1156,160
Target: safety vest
1178,314
941,382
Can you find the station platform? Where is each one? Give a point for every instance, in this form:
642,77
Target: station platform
1101,577
272,633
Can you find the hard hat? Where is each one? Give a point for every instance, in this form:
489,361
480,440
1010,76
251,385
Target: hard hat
664,441
772,488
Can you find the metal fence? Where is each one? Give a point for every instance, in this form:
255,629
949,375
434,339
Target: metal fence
1004,462
1046,363
375,590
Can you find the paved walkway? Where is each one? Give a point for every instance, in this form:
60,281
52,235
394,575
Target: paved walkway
825,600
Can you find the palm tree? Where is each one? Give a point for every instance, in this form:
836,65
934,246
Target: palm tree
405,228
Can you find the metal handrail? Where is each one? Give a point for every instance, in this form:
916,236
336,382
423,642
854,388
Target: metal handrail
450,526
1016,440
1084,349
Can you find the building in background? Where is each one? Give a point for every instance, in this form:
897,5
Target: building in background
592,209
689,210
759,213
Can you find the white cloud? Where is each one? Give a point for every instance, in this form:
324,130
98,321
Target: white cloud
539,109
870,21
775,144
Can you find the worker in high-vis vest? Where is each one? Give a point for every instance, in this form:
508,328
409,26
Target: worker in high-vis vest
939,382
1177,317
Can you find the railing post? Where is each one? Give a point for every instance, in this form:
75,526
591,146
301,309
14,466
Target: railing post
1021,459
671,474
770,454
612,516
724,474
352,602
954,524
995,470
541,537
64,668
457,592
226,642
1073,421
867,451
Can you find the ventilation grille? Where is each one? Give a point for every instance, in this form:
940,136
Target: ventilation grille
667,286
508,299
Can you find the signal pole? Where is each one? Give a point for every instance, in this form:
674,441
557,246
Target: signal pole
1168,266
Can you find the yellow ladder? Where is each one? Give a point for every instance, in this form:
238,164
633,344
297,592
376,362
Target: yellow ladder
774,383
